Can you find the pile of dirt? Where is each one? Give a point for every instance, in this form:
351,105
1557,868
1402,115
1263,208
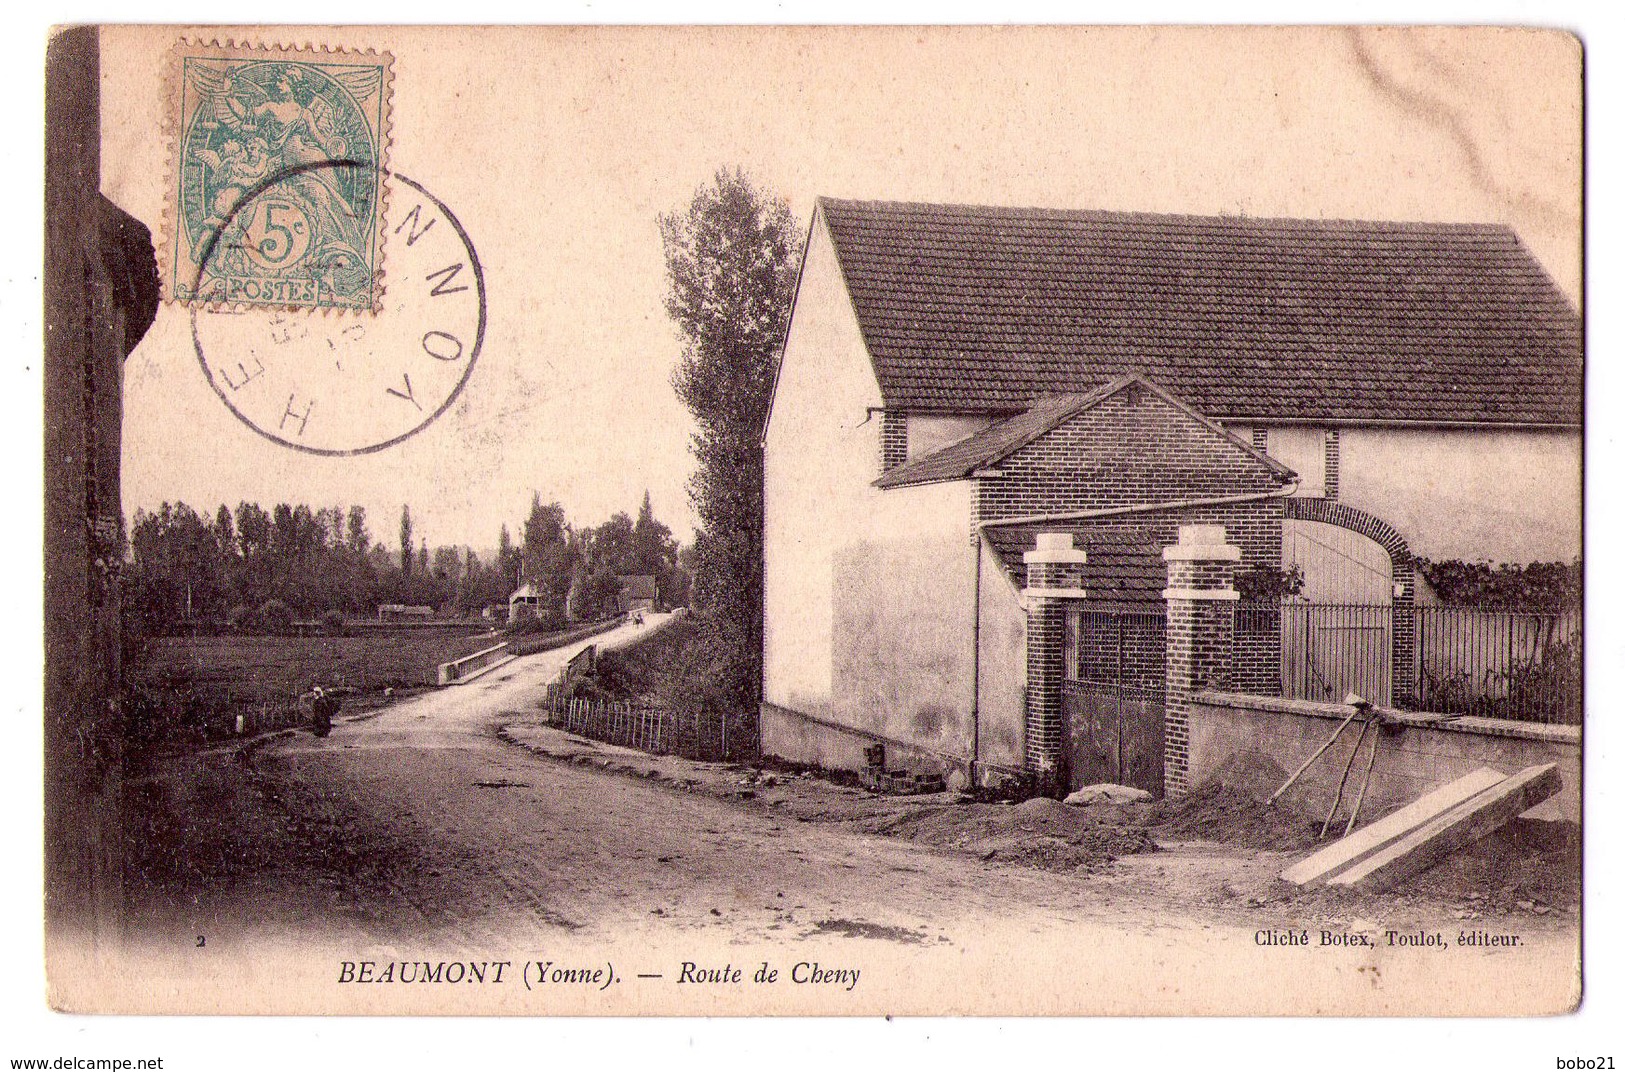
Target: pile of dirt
1040,832
1229,807
1528,864
1217,813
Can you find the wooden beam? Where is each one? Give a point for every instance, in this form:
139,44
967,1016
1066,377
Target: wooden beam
1340,855
1431,842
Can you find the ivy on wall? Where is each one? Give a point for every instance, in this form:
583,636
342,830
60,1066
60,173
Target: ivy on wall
1545,586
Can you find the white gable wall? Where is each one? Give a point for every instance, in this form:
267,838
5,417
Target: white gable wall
823,449
1002,666
869,600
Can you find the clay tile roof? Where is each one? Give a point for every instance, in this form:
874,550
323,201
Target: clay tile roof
976,309
996,441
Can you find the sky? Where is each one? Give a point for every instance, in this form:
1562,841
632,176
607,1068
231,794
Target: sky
558,149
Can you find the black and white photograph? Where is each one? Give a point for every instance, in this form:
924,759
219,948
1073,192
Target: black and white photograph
814,521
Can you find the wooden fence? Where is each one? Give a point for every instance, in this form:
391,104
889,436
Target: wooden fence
642,726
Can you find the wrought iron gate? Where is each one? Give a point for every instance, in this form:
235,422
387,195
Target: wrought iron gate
1113,697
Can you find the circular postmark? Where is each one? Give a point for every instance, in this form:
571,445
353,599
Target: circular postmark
342,384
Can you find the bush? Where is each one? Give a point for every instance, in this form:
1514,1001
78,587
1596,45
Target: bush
275,617
333,623
1269,585
239,619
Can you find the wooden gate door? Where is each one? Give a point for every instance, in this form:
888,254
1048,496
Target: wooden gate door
1113,697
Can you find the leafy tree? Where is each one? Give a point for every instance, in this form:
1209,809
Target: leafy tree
330,520
546,556
470,598
225,540
731,277
613,548
654,551
601,595
356,537
177,568
275,617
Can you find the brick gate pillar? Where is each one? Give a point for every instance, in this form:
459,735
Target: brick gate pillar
1054,577
1201,628
1402,667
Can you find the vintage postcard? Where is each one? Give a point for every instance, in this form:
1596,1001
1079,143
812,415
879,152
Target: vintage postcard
814,521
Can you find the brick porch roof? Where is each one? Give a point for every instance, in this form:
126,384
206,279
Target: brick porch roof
977,309
1002,438
1124,567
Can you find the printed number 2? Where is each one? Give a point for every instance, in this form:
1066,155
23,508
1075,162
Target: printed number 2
199,941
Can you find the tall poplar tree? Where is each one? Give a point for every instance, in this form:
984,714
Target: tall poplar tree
730,267
406,541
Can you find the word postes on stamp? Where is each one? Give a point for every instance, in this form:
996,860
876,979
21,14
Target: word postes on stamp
277,179
341,386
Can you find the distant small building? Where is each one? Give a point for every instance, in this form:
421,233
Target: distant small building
400,612
638,593
526,595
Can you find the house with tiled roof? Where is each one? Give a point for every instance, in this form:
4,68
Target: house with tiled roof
963,387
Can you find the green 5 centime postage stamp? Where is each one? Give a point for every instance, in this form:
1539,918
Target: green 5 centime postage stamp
277,179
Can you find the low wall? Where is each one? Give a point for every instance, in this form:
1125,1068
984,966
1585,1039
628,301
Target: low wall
1411,758
460,669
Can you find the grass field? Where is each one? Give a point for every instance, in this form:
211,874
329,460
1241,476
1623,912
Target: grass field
272,671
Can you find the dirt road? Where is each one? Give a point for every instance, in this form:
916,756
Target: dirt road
418,835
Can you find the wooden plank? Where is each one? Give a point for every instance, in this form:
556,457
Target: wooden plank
1460,826
1342,854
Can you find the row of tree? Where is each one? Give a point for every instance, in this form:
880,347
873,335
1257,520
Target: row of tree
187,571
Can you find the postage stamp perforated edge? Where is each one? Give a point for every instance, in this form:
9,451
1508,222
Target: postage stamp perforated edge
172,228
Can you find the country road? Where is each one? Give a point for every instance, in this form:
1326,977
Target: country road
418,834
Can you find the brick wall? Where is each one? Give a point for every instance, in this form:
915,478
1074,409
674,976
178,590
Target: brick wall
1135,448
1334,462
893,439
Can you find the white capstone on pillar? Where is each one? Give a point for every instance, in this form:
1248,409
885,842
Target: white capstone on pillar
1201,601
1054,576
